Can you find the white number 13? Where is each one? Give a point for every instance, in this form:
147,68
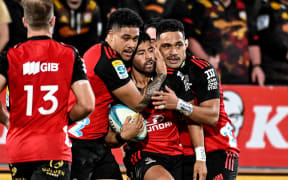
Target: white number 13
48,97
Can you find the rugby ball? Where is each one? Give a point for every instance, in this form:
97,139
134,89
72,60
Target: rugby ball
117,116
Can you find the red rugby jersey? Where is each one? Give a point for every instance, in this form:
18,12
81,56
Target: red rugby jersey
39,73
163,133
106,72
205,85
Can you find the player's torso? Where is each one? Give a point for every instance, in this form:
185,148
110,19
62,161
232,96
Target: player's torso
102,65
95,126
163,134
204,85
222,135
39,80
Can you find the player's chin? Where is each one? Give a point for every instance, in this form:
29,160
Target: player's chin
149,71
126,57
173,66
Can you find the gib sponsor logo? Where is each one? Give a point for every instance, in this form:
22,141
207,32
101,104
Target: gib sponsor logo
32,68
156,123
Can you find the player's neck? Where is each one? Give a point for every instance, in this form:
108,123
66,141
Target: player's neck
140,80
39,33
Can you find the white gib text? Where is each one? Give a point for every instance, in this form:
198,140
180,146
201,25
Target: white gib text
32,68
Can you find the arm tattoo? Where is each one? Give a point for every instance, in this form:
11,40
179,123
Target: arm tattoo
149,90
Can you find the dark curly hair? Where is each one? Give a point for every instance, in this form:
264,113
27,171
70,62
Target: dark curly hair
153,22
143,37
124,17
169,25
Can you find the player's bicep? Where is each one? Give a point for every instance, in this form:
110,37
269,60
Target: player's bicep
128,94
83,92
79,69
213,104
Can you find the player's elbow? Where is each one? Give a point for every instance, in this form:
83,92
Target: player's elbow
89,106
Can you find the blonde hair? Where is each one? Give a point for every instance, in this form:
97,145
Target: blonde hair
38,13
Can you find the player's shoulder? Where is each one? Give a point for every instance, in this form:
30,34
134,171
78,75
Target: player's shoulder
103,50
109,52
67,46
200,67
198,63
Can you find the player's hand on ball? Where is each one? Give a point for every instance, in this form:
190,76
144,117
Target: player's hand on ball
132,127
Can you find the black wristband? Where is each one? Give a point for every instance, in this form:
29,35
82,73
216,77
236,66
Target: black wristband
120,139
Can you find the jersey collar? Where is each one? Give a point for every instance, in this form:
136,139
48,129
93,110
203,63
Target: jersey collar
38,38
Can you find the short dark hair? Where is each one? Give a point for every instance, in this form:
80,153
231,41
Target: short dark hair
143,37
153,22
169,25
124,17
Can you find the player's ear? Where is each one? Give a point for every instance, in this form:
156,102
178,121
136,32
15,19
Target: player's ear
186,43
110,32
24,22
109,35
52,22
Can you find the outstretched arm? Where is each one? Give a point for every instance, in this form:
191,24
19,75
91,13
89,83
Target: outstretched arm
197,140
130,95
206,113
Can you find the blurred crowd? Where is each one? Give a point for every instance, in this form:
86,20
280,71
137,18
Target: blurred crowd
246,41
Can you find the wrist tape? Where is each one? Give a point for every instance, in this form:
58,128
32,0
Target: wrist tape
184,107
200,153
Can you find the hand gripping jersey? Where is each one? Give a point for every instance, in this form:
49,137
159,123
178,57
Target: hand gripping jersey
106,72
39,73
201,79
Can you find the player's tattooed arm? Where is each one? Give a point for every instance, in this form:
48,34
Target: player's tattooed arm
149,90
